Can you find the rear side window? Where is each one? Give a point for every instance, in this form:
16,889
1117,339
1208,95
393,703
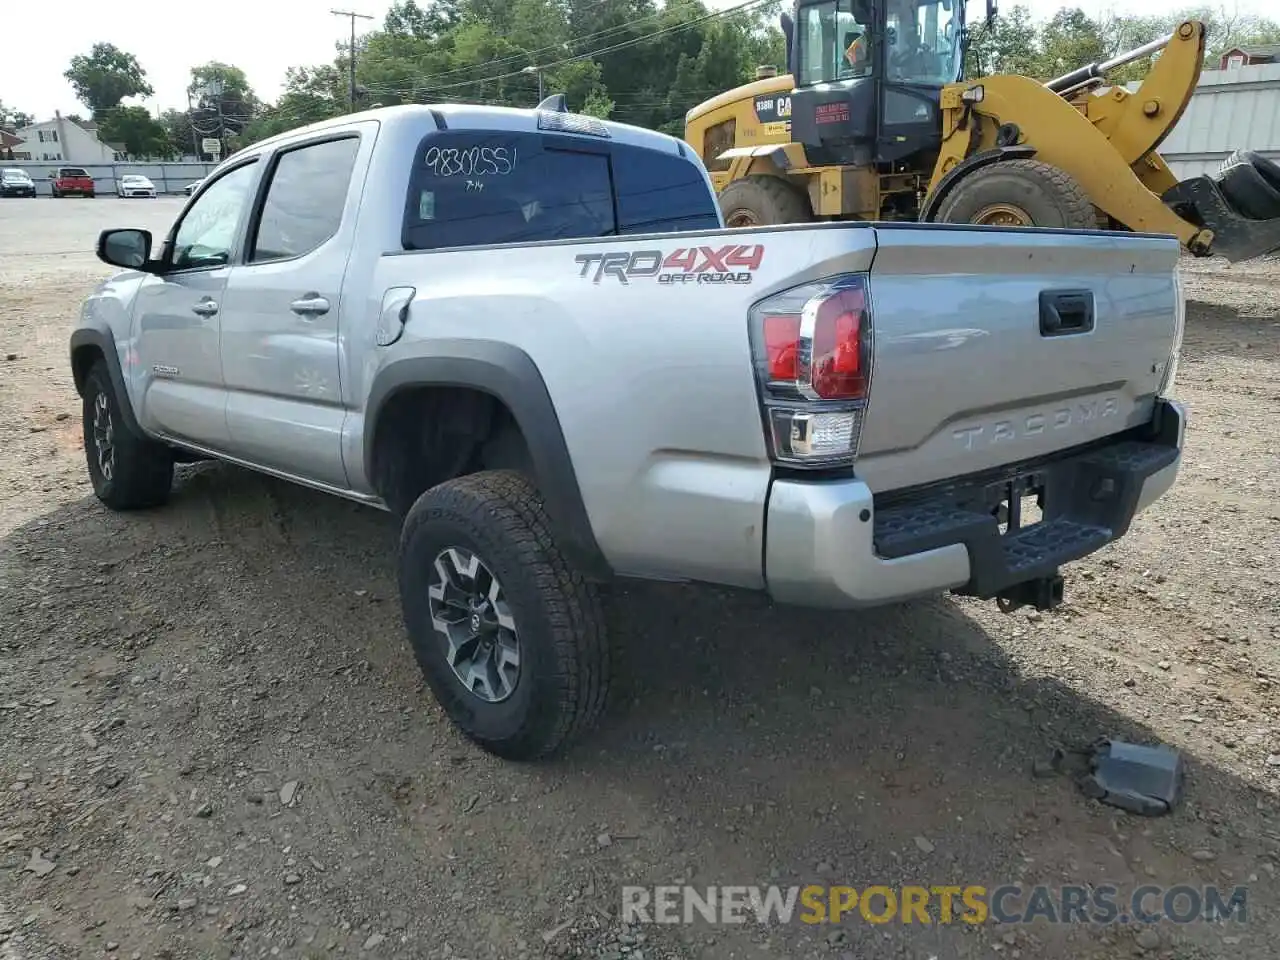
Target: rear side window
660,192
474,188
305,199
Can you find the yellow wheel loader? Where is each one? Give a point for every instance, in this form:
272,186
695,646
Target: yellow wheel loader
871,123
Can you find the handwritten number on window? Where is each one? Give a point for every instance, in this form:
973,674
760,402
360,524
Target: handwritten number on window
470,162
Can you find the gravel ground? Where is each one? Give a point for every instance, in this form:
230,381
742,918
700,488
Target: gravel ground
216,742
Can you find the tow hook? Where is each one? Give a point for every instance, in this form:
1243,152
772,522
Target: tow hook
1043,593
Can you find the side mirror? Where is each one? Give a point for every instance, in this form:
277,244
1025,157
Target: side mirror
130,249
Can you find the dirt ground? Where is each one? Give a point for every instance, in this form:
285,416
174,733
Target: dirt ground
215,742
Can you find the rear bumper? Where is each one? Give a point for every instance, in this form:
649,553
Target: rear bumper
833,544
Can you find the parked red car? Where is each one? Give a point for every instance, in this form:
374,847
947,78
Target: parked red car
72,180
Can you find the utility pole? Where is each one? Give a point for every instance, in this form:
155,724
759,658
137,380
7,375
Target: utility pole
351,52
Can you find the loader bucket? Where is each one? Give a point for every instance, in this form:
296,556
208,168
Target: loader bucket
1235,237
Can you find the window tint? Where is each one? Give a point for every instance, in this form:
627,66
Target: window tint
470,189
659,192
207,232
305,198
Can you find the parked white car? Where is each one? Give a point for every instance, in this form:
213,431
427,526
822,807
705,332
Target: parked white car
135,185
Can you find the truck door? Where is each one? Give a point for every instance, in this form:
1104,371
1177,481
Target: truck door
178,315
280,327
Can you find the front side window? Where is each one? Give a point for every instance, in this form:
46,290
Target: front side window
207,233
486,187
305,199
835,42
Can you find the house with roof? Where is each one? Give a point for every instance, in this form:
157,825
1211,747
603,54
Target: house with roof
65,140
9,142
1250,56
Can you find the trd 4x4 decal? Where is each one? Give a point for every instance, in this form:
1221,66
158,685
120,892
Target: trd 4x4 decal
734,263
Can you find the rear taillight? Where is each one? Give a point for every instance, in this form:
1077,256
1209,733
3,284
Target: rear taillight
812,348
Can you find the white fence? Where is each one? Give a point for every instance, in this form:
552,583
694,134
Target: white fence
168,177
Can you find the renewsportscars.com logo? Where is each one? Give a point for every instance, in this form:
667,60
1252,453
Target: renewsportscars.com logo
734,263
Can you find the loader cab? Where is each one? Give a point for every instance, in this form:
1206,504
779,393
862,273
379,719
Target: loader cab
869,76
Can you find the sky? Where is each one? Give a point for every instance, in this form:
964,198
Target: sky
262,37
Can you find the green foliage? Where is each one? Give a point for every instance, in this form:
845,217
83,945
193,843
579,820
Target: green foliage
1016,44
105,77
142,135
12,118
630,60
222,103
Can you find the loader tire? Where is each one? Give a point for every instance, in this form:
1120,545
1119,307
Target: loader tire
1251,183
1019,193
762,201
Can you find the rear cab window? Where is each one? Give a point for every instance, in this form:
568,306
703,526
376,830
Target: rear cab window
475,188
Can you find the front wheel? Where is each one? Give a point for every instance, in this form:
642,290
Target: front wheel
758,201
128,471
1019,193
509,636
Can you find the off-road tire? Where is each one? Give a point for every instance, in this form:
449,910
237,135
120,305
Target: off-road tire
141,471
1049,196
767,200
564,653
1251,183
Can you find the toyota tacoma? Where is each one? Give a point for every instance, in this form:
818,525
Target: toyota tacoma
528,334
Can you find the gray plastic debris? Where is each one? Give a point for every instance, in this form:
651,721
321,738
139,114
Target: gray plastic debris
1140,779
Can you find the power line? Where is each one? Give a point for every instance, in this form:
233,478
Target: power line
351,53
592,54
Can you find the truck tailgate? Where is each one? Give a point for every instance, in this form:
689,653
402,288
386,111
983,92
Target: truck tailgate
997,346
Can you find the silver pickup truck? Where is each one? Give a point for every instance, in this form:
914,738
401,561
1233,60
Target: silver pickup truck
529,334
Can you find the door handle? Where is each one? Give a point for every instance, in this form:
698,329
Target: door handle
312,305
205,308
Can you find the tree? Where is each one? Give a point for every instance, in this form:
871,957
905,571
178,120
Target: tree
106,76
12,118
222,102
141,135
632,60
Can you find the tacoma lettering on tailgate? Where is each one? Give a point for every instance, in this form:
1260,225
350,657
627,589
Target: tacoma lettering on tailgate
734,263
1029,425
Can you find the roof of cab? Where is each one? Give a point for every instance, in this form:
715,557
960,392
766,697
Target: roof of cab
464,116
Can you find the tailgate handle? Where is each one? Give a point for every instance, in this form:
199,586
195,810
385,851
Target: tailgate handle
1064,312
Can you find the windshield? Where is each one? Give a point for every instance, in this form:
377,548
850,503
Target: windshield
14,174
922,41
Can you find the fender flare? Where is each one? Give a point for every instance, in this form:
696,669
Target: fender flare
101,340
966,166
510,375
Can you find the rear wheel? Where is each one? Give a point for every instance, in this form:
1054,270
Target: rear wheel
1251,183
761,201
509,636
1019,193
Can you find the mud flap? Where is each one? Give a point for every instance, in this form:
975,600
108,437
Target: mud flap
1234,237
